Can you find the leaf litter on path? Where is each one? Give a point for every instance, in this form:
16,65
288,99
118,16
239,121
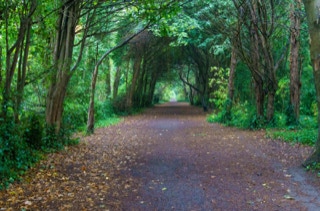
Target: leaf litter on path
192,165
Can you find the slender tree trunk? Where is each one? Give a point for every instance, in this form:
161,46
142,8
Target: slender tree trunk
270,105
13,52
295,83
233,64
12,55
22,72
140,91
270,76
116,82
255,68
63,50
312,11
90,121
132,87
151,89
108,80
259,96
191,95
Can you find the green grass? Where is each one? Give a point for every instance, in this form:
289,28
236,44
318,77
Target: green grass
305,133
301,136
243,116
107,122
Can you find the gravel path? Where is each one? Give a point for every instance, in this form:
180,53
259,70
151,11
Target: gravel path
169,158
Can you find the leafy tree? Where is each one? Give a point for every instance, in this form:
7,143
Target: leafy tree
312,11
17,52
257,30
295,72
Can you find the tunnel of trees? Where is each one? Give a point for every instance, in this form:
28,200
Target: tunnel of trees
65,65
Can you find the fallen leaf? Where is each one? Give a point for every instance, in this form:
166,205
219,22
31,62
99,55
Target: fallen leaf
288,197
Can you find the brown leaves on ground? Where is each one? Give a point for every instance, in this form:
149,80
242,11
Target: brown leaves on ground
169,158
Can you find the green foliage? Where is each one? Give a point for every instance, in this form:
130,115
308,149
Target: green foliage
34,131
308,92
219,85
15,154
291,119
304,133
301,136
75,115
283,94
107,122
119,104
243,84
314,167
242,116
53,141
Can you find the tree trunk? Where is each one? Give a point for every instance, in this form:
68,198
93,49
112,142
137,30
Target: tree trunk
132,87
13,52
108,80
22,72
312,11
233,64
295,84
270,105
90,122
255,68
63,50
116,82
260,96
55,100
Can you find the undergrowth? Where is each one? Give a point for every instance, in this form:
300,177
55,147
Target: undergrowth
25,144
243,116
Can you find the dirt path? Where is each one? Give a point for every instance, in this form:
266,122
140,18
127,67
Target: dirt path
169,158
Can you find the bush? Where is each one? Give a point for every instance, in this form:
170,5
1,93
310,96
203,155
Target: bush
104,110
34,131
75,115
291,119
15,154
302,136
242,116
119,104
22,145
53,141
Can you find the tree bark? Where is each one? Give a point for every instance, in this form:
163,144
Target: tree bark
63,50
116,82
258,18
90,121
233,64
13,52
132,87
108,80
312,11
260,95
22,71
295,83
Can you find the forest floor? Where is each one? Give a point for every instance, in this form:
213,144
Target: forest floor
169,158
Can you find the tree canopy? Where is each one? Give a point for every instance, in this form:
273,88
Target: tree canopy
67,65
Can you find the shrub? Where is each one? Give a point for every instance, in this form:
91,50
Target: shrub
75,115
15,155
34,131
119,104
